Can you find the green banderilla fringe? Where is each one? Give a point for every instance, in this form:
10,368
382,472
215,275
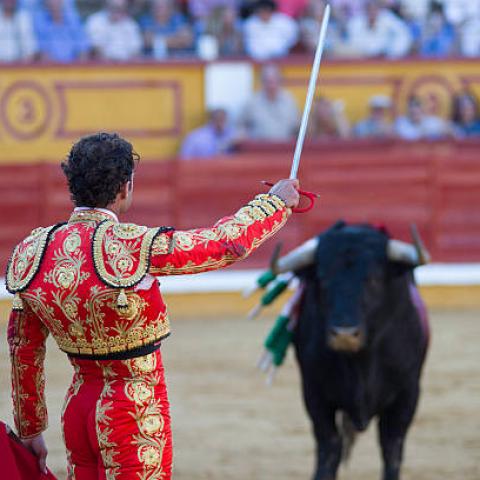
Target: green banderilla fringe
277,289
279,339
265,278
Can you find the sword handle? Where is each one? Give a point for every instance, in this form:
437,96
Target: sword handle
310,195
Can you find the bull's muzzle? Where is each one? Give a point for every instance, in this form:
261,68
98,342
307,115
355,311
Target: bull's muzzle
345,339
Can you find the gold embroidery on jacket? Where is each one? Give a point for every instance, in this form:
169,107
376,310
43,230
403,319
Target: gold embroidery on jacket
162,245
67,275
21,340
125,250
26,259
131,330
91,217
228,231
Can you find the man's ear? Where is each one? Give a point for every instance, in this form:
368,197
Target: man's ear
124,190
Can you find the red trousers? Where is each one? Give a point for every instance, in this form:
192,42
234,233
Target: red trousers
116,420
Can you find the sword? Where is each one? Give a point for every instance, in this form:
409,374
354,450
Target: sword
306,111
311,92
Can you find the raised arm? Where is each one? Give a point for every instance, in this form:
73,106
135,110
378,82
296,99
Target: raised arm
231,239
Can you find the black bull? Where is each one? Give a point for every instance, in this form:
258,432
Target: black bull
361,342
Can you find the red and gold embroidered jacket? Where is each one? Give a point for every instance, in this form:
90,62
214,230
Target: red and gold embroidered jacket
89,282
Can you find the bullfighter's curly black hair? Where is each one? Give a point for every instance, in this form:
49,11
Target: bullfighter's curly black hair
97,167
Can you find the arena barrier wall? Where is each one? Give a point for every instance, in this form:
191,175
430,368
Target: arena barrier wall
43,108
434,185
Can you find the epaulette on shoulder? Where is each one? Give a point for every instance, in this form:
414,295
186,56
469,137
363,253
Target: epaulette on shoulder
121,254
25,262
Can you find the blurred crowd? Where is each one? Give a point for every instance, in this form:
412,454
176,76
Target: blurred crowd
127,30
272,115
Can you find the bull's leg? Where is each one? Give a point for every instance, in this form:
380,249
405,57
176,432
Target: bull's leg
392,428
329,442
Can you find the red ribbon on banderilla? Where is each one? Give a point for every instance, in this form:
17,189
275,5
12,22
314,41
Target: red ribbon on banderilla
306,112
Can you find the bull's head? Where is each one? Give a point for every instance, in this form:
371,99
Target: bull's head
353,266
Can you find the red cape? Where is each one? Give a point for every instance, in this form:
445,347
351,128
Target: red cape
16,461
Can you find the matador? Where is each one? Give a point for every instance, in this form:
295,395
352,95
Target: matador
90,282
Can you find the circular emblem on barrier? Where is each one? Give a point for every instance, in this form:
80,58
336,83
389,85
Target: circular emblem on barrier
435,93
25,110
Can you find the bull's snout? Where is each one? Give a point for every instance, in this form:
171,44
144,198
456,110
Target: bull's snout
345,339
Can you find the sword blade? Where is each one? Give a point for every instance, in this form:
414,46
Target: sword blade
311,92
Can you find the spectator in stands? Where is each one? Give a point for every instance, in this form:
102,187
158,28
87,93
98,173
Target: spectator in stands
466,115
269,34
336,40
412,10
469,30
225,26
17,37
271,114
113,33
60,33
463,15
292,8
349,8
378,33
377,124
435,36
214,138
166,31
202,9
417,125
328,120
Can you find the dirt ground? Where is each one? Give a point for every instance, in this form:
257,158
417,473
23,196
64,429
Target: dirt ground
229,426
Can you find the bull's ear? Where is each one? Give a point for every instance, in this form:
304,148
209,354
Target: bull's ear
338,225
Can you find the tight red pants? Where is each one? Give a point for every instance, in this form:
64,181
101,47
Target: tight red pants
116,420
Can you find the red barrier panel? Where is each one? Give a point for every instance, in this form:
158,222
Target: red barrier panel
435,185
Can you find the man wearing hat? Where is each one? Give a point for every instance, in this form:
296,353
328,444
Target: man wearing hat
378,123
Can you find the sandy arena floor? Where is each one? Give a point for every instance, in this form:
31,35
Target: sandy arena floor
229,426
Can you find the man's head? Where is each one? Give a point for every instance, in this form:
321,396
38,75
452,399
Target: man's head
372,8
117,9
55,7
162,10
99,171
8,6
415,109
380,107
271,81
264,9
218,119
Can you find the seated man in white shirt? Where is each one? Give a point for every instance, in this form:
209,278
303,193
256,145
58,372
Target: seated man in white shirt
113,33
269,34
418,125
379,33
17,38
271,114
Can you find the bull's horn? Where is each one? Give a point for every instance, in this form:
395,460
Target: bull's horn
423,254
413,254
399,251
301,257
